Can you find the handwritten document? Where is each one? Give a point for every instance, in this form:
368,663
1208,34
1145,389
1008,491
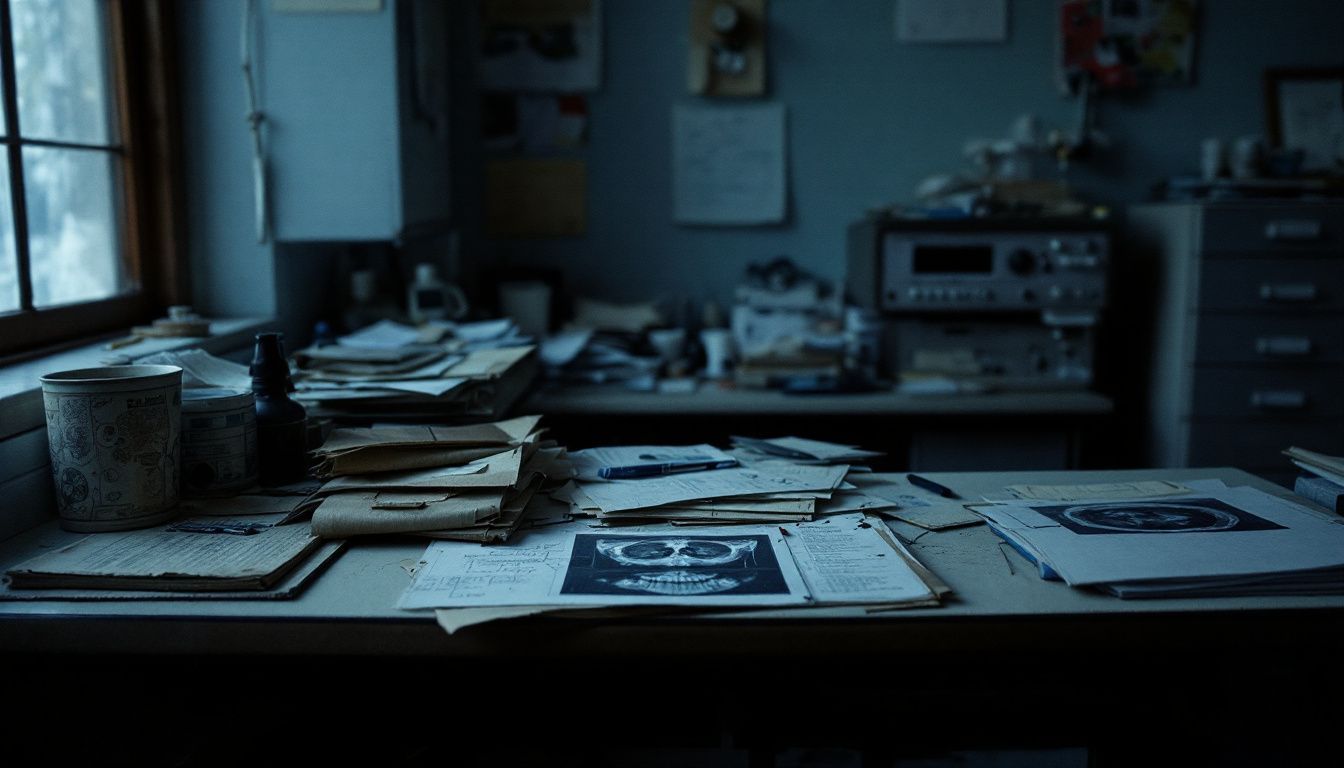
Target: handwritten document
845,560
729,164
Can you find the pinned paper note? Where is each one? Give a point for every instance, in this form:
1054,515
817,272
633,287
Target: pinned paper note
728,164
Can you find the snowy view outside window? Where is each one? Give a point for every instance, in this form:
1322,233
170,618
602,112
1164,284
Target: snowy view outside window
70,186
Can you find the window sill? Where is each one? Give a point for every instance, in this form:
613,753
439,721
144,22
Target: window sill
21,388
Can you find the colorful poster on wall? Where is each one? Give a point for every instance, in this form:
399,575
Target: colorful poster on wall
1125,44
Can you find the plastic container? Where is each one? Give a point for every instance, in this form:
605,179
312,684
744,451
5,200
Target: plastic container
219,441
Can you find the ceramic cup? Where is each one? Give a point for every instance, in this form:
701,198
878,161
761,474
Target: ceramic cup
718,343
528,302
114,438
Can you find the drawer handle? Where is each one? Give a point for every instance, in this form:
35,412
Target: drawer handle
1288,291
1283,346
1289,230
1279,400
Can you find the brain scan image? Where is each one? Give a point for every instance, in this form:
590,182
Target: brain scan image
1176,516
673,566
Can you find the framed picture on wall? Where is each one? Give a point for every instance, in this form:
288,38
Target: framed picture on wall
1304,110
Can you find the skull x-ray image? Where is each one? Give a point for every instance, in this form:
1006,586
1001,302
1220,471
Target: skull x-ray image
673,566
1173,516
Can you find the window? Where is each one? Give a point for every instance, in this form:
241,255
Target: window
86,172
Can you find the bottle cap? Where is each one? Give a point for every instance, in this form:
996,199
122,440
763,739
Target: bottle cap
268,367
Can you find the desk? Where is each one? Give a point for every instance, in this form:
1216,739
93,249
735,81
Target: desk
1010,659
993,431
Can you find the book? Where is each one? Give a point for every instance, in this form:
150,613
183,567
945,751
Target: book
195,555
1321,491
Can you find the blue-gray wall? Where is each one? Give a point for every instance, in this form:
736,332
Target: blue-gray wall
869,117
232,276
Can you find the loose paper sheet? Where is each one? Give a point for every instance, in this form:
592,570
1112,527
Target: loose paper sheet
845,560
618,495
729,164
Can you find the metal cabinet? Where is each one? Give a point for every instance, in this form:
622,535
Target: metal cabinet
356,109
1247,348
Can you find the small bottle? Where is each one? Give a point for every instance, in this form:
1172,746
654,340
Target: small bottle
282,424
427,299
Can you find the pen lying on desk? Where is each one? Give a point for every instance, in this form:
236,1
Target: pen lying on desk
654,470
929,485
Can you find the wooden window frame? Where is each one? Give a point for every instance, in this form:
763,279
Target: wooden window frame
142,57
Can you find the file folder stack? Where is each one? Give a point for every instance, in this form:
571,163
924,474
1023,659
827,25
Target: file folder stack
469,483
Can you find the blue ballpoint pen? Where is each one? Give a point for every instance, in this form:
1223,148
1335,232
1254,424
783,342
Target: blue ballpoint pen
929,485
654,470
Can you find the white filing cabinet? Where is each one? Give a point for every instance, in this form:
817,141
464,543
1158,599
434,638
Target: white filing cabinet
355,105
1248,343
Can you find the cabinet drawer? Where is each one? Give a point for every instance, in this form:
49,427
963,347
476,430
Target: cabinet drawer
1270,339
1259,445
1292,284
1273,228
1268,393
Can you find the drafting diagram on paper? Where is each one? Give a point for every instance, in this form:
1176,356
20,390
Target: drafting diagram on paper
488,576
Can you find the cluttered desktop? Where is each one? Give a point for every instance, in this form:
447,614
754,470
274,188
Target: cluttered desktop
722,383
190,495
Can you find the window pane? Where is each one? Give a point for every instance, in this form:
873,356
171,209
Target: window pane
60,67
73,240
9,265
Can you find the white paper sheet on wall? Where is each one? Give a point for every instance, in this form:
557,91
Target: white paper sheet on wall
729,164
951,21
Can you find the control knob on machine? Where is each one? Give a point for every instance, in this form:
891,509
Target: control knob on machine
1022,261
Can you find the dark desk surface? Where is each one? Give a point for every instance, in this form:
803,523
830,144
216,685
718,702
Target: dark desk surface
1009,660
350,608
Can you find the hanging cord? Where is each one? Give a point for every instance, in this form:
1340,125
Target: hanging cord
254,118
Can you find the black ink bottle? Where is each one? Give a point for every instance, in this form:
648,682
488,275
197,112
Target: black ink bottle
282,424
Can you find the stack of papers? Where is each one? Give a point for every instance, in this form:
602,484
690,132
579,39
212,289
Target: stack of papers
432,481
1213,540
361,450
800,450
585,356
845,560
1322,478
389,370
700,485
